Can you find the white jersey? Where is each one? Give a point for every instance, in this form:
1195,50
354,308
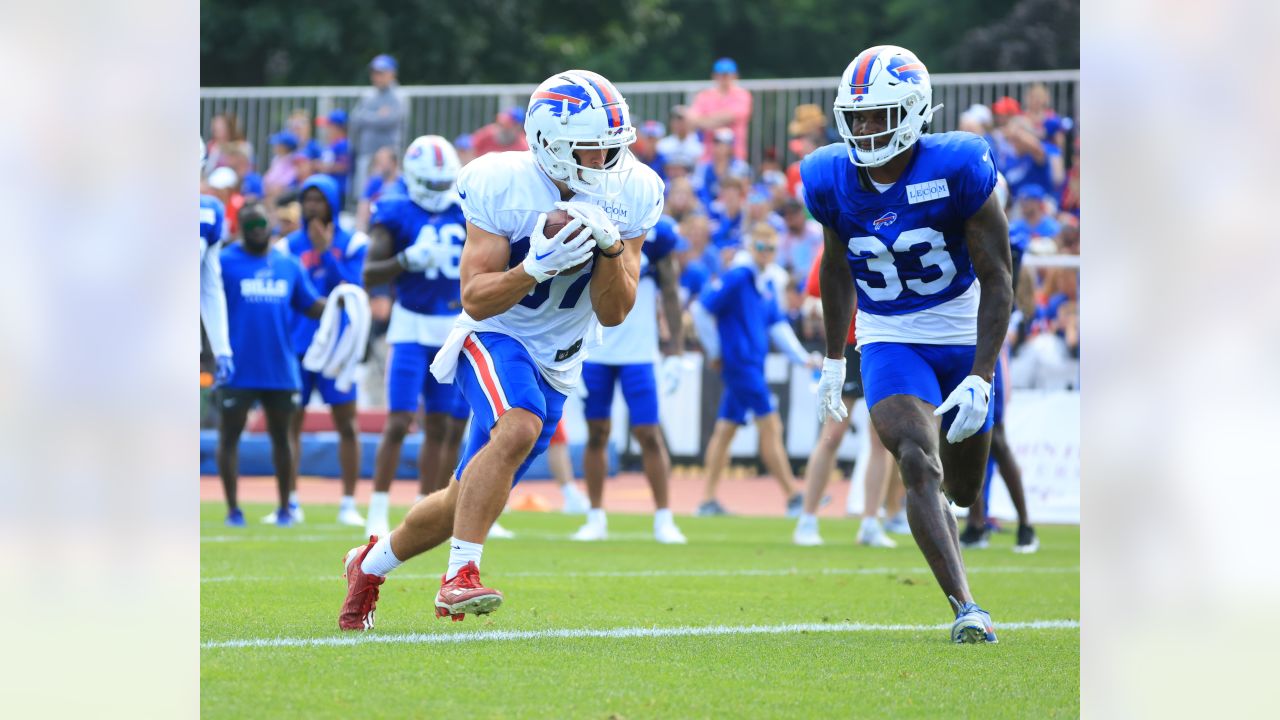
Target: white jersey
504,193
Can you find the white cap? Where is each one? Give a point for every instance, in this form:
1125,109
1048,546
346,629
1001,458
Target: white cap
724,135
224,178
978,112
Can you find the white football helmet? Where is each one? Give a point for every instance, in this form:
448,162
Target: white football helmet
431,167
578,109
892,79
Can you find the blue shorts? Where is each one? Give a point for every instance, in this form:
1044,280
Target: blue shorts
929,372
313,380
997,392
639,388
409,381
496,374
745,395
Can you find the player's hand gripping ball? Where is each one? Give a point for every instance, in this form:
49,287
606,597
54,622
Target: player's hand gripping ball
556,220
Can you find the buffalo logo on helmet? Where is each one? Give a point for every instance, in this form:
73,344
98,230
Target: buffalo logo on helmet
561,100
907,69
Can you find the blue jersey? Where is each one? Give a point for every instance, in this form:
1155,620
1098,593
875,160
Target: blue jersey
264,295
434,291
661,241
211,218
343,262
744,310
906,246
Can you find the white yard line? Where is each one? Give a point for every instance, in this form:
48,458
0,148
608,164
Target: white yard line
286,536
744,572
611,633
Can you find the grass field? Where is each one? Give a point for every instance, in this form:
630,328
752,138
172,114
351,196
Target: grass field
868,638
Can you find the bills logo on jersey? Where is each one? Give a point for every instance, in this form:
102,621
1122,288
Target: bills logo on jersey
906,70
885,219
561,100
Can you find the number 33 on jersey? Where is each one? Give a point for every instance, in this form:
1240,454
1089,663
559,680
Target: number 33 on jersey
906,244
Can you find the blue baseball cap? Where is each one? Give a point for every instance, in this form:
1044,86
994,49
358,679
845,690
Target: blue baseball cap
516,114
1031,191
653,129
725,65
463,142
383,63
286,138
338,117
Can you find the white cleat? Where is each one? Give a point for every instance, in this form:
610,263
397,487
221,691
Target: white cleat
575,501
497,531
669,534
872,535
806,537
294,509
351,517
591,532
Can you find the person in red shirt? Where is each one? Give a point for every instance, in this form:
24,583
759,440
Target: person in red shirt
725,105
506,132
822,461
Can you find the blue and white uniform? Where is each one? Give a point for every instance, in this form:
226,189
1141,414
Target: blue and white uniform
343,262
213,304
628,352
916,288
427,304
530,356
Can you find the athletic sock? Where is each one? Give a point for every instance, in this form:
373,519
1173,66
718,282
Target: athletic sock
807,521
462,552
380,559
596,516
869,525
348,503
378,505
662,518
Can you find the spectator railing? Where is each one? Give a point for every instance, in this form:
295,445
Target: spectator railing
451,110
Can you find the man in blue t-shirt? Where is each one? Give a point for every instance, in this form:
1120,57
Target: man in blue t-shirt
736,317
913,225
265,289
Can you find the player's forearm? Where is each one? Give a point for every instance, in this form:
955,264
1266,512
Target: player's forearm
837,302
613,287
381,272
994,309
487,294
675,320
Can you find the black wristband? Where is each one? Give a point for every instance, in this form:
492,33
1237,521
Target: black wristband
621,247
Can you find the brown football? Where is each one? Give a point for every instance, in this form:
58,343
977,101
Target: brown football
556,220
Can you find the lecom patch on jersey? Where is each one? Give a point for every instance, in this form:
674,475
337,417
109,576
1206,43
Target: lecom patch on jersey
926,191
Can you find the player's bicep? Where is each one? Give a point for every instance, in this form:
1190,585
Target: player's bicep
987,237
483,252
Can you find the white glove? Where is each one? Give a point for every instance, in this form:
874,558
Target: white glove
970,397
417,257
669,374
594,217
548,257
830,389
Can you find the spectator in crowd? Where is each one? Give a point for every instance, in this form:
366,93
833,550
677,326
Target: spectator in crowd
1071,188
225,185
978,120
722,164
335,159
1036,108
682,201
378,120
288,215
1033,228
299,123
505,133
1031,160
224,134
1002,111
237,159
699,261
724,106
772,181
759,209
737,317
282,174
265,290
727,215
799,242
645,148
678,169
809,120
682,145
465,147
1069,234
384,177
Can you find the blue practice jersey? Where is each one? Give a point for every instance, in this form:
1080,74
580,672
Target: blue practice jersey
434,291
211,219
906,246
744,313
264,295
662,240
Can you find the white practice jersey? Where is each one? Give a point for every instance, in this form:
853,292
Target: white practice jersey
503,193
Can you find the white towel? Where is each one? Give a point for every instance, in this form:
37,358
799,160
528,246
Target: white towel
445,366
335,353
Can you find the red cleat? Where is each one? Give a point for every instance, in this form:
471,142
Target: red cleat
362,590
464,594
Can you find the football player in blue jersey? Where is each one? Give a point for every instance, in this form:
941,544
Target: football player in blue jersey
265,290
913,225
417,245
213,304
627,357
331,256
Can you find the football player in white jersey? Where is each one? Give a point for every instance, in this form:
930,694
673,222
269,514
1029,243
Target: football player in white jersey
213,303
532,306
627,357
